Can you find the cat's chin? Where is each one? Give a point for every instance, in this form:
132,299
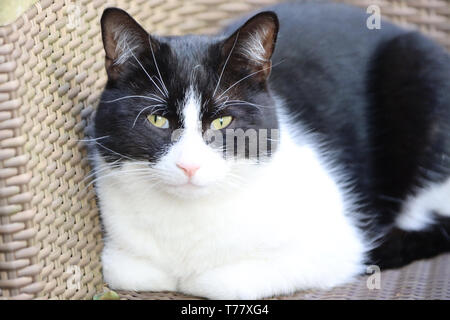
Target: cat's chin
187,191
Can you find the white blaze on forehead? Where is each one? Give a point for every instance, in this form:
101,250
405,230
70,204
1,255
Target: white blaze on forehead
191,112
191,148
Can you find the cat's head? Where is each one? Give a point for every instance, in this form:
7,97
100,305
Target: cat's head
192,114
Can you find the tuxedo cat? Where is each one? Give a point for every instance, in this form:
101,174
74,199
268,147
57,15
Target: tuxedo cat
286,153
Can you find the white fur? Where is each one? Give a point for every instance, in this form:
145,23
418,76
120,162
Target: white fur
253,48
418,211
127,43
237,231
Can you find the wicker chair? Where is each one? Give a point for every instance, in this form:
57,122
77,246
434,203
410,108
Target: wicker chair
51,76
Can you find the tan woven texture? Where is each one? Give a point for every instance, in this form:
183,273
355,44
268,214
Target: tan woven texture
51,76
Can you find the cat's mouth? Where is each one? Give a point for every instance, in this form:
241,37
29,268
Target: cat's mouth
189,185
187,190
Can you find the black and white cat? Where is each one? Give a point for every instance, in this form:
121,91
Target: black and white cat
345,162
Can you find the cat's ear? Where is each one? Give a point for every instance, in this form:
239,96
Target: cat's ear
252,45
122,38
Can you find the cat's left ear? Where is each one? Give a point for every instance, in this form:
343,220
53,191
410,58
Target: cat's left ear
252,45
123,38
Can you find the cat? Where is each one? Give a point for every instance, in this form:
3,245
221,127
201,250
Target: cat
288,152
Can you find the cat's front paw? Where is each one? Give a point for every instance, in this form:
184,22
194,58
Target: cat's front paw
125,272
217,288
234,283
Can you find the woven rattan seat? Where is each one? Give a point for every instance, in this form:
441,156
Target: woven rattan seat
51,76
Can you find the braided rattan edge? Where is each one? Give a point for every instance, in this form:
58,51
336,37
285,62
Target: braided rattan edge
18,267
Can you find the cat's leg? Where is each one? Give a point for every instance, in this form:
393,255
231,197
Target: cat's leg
123,271
425,208
245,280
251,279
421,140
422,229
411,92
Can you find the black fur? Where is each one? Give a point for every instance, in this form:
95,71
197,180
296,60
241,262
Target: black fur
380,99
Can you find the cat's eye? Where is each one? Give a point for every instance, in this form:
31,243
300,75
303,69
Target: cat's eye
158,121
221,123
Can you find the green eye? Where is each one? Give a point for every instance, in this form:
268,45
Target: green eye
158,121
221,123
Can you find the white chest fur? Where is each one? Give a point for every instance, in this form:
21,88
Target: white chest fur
288,229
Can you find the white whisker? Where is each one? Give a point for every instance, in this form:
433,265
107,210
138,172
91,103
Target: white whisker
225,64
246,77
96,171
117,153
118,173
143,109
157,69
245,102
130,97
230,103
131,51
157,97
93,139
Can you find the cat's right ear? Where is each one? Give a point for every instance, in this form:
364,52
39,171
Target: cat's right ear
122,38
252,45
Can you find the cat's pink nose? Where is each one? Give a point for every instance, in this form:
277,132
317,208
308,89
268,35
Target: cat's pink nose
189,169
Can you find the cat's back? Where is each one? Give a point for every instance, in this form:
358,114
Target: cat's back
321,70
313,26
326,33
328,46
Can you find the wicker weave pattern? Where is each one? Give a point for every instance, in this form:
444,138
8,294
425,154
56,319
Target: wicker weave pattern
51,76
